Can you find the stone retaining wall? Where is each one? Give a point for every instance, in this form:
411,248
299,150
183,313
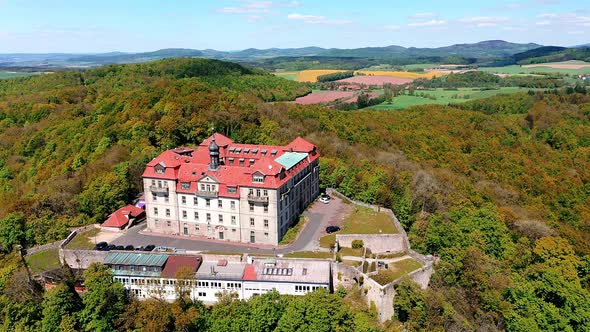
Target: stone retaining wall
377,243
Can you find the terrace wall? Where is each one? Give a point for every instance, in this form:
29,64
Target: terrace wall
377,243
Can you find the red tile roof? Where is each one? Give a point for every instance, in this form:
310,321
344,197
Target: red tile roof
190,166
175,263
120,218
249,272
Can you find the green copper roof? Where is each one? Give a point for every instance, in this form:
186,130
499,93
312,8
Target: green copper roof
290,159
131,258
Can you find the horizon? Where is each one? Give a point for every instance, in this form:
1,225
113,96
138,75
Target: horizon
231,25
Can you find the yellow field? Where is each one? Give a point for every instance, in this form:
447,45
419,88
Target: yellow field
312,75
401,74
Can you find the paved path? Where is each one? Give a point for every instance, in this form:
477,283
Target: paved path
319,216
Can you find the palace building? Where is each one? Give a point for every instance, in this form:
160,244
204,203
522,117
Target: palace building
230,191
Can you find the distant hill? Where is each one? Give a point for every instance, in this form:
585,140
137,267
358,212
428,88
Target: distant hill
551,54
485,49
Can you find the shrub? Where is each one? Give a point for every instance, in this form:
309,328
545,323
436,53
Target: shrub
356,244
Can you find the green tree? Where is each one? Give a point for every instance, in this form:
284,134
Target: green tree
104,301
59,303
12,231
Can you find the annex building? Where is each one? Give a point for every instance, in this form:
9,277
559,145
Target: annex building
230,191
154,275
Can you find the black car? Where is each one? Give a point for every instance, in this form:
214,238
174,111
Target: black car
100,246
110,247
332,229
119,248
129,247
149,247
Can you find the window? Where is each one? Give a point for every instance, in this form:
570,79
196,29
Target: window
167,212
168,223
183,198
232,190
233,220
154,196
265,207
266,235
207,202
251,222
184,215
265,223
241,162
220,203
258,178
196,215
258,192
251,207
221,219
233,230
196,227
202,294
160,170
208,217
195,201
202,187
231,161
166,199
185,185
155,211
233,205
153,182
265,192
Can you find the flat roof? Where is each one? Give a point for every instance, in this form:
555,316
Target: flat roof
132,258
290,159
212,270
289,270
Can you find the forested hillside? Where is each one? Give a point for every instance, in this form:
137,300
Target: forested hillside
499,189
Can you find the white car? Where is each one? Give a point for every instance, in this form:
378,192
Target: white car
325,199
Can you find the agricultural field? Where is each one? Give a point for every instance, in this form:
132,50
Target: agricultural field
312,74
400,74
290,75
443,97
321,97
572,64
516,69
375,80
11,74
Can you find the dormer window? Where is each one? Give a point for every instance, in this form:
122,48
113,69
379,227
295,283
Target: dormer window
246,150
160,169
185,185
258,178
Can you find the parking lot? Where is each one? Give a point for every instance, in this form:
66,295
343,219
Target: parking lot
319,216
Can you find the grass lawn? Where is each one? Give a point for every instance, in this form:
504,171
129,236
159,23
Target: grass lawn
328,241
351,252
366,221
309,254
293,231
396,270
351,263
43,261
83,240
443,97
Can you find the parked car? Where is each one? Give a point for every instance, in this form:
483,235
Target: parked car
325,199
100,245
332,229
149,247
139,248
110,247
129,247
119,248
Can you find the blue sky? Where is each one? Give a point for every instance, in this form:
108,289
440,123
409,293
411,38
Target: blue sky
127,25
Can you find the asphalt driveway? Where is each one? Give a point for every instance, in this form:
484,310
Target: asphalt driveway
319,216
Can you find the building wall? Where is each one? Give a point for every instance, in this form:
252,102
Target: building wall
208,290
284,207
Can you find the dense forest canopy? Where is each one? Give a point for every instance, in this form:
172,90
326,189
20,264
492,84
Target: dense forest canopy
498,188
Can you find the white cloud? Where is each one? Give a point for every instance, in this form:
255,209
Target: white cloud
483,21
316,19
257,7
564,20
423,15
430,23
